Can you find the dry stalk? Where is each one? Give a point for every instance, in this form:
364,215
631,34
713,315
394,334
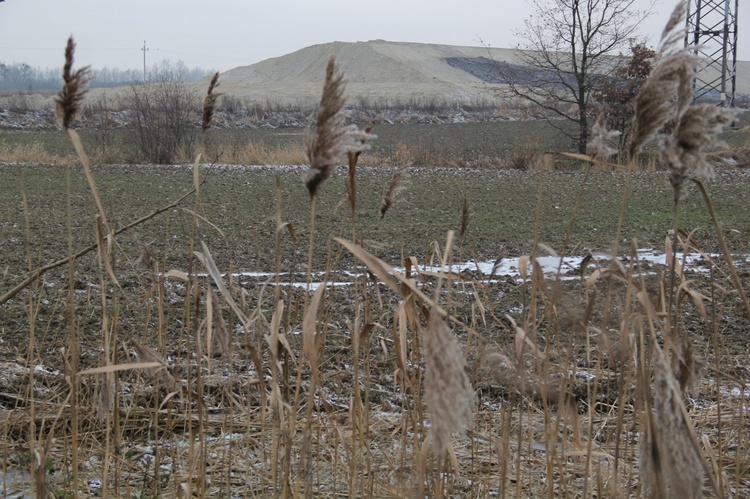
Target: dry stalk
145,354
351,186
220,330
35,274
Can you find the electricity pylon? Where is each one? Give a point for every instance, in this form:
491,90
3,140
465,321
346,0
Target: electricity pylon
712,32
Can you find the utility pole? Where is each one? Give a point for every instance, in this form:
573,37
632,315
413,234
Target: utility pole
144,49
712,35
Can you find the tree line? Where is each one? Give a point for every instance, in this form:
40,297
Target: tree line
22,77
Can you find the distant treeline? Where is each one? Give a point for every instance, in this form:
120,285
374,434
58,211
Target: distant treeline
21,77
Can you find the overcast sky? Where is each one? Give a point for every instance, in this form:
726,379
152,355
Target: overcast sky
223,34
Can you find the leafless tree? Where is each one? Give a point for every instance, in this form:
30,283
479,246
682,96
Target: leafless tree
566,46
165,112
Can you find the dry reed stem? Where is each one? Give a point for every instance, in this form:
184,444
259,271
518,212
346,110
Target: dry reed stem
145,354
309,323
209,104
351,186
448,391
725,249
331,142
223,336
68,100
395,187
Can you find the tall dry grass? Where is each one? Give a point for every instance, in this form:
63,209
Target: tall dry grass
410,382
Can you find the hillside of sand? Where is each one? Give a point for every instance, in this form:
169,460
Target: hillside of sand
387,73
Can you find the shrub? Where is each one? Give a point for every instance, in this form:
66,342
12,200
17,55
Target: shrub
164,113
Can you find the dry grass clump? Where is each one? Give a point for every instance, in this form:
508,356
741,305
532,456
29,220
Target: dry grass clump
255,153
742,156
530,158
32,153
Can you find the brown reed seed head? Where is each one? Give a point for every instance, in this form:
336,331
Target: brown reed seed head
396,185
68,100
666,95
599,146
330,143
448,391
322,149
467,213
209,104
676,20
697,128
668,90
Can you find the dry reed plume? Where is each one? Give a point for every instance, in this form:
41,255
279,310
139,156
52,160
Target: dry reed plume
667,91
209,103
448,392
396,185
467,213
682,151
68,100
666,96
599,147
669,451
330,143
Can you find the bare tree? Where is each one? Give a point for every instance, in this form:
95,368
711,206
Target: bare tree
567,45
164,115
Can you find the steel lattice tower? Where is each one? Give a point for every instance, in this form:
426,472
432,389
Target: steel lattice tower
712,30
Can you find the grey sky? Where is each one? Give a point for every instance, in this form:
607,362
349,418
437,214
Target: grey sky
223,34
